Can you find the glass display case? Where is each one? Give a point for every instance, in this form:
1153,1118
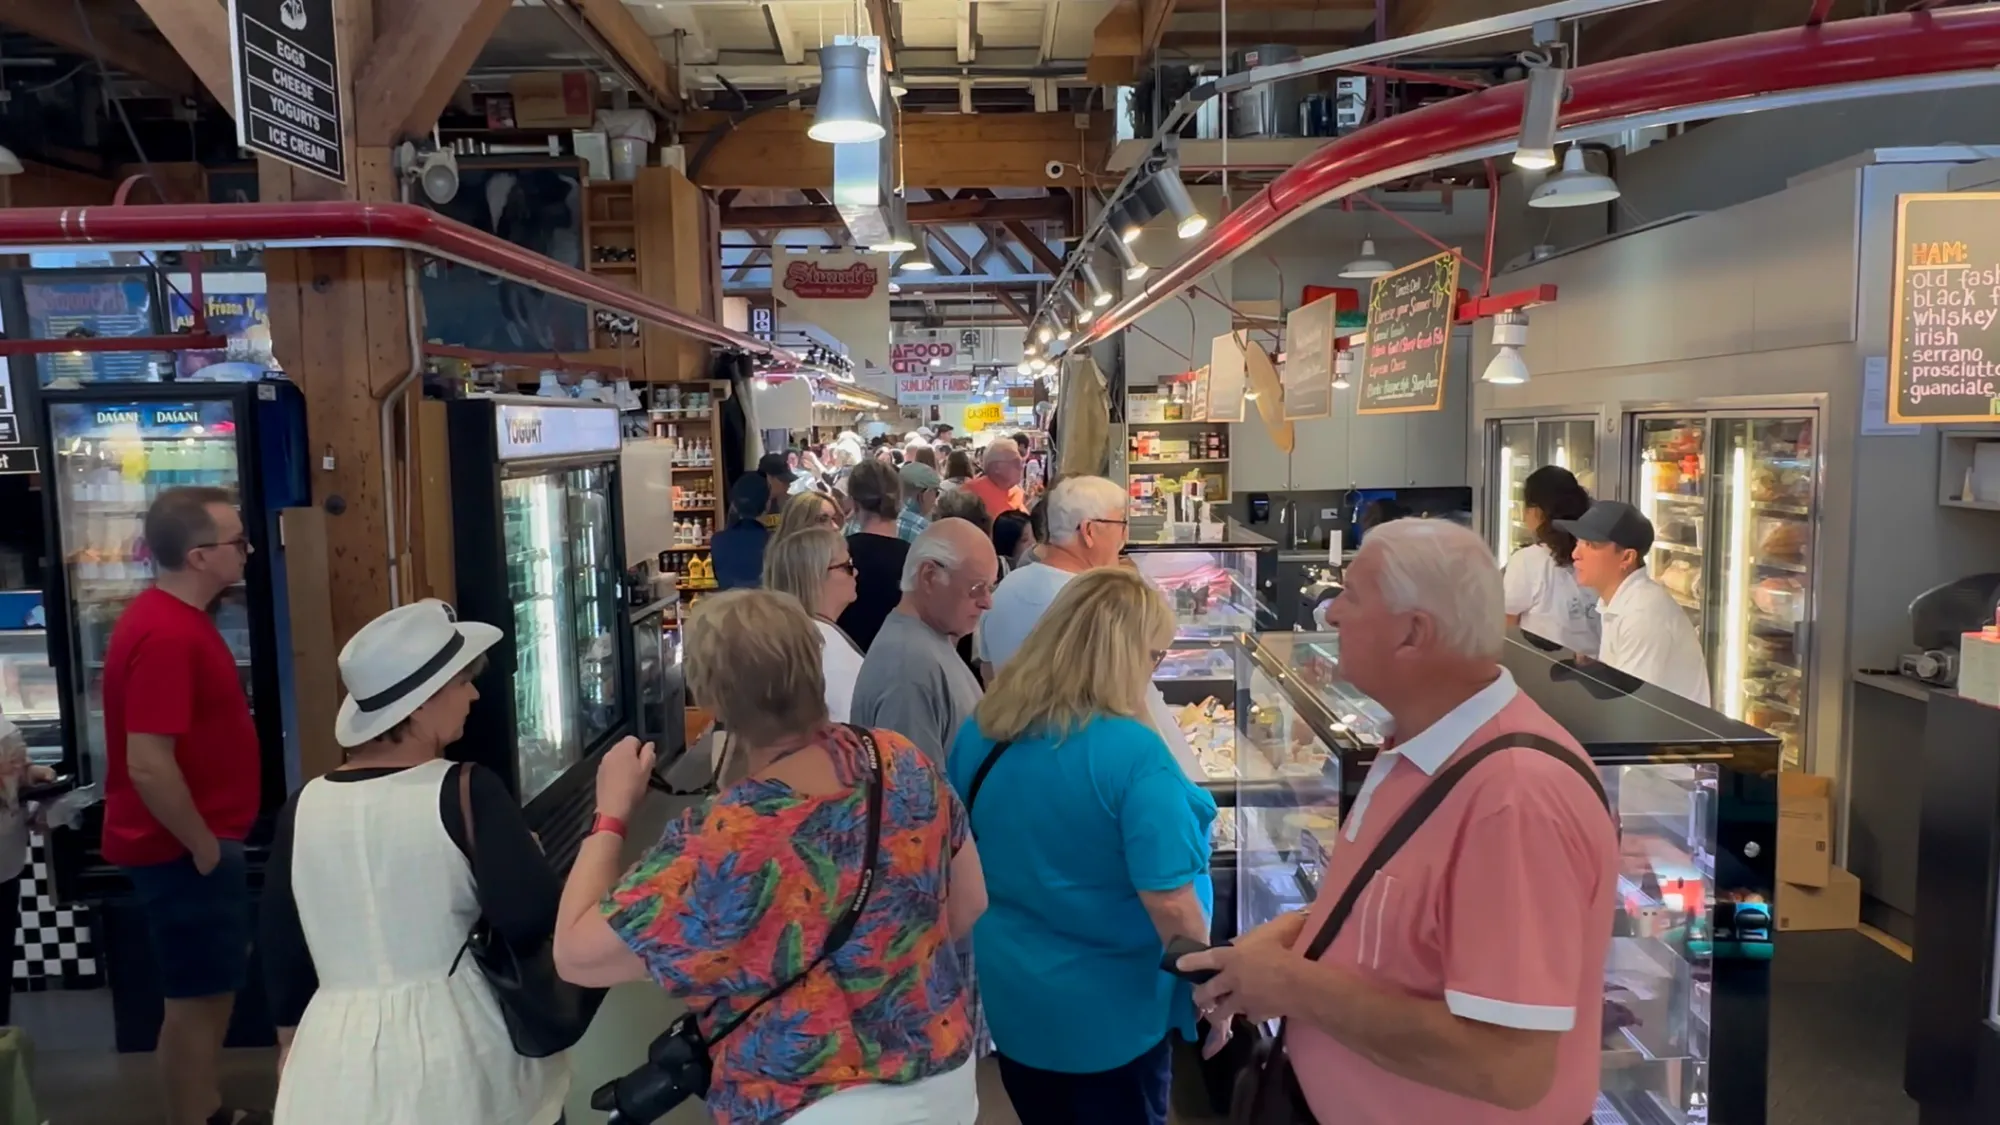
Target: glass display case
30,697
1519,446
1219,585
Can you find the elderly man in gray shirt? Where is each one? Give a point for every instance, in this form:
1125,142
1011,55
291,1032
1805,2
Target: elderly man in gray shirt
913,681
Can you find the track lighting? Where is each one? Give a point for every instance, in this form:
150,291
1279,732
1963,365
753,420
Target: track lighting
1099,295
1575,186
1510,334
846,112
1540,110
1024,368
1083,312
1126,223
1063,331
1134,268
1188,219
1369,264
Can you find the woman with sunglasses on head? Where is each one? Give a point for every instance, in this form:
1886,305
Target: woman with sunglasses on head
374,881
813,566
1095,848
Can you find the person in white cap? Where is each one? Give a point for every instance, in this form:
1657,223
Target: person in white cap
376,878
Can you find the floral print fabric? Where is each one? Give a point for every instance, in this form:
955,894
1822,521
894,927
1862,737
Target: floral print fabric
738,897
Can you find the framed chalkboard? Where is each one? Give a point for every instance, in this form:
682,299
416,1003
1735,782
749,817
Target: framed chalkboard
1944,351
1410,316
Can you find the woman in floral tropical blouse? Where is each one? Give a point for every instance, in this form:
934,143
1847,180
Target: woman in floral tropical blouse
739,895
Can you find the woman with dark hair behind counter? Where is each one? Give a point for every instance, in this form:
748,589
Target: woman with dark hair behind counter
1543,595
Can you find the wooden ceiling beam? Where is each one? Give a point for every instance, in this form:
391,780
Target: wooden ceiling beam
421,53
1013,307
934,212
1237,7
879,23
1037,249
622,33
1278,36
1407,17
1008,150
194,58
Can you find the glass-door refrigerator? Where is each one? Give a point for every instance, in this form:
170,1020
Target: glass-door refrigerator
538,550
108,451
1734,500
1519,446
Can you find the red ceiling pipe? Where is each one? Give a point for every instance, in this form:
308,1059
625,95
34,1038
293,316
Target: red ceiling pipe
307,225
64,345
1844,51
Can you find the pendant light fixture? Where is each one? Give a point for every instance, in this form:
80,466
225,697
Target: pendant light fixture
1134,268
1369,264
10,165
902,236
846,111
1575,186
1510,332
1083,311
1099,295
1188,219
1536,148
917,260
1343,368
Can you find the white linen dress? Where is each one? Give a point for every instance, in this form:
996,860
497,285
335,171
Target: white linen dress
392,1036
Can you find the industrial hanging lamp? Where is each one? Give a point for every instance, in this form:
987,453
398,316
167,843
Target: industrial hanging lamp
1540,109
1188,219
10,165
1134,268
902,236
1099,295
1575,186
1369,264
846,111
1510,334
918,258
1343,368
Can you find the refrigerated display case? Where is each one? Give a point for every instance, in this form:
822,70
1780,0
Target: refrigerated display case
30,698
538,551
1219,586
1516,448
109,451
1733,497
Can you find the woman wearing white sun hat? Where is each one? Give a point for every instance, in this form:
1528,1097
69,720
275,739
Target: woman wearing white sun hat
373,887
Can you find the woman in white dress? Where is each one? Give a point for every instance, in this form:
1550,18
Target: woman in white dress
813,566
1543,595
370,895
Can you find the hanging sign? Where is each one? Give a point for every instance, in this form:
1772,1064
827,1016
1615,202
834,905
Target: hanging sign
1225,378
980,415
1308,372
1410,315
286,69
846,293
934,390
1944,351
915,357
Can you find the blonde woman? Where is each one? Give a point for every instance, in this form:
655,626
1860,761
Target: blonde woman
807,510
740,894
1094,845
813,566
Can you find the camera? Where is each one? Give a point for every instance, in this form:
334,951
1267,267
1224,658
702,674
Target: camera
1054,168
677,1068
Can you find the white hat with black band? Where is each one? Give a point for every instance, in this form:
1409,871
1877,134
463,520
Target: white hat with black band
398,661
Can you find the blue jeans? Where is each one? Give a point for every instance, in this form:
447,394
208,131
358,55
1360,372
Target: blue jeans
199,924
1133,1094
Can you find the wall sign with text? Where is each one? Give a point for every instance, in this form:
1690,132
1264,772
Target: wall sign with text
1410,314
1944,352
284,55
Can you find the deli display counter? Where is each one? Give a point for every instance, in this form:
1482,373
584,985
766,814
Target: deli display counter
1284,743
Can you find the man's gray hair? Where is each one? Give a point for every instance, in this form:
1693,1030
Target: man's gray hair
1448,573
998,446
1076,501
934,545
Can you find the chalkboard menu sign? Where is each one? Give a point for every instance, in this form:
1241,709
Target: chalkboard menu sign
1944,354
1409,333
1308,372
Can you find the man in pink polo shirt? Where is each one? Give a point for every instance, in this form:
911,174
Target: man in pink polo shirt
1467,986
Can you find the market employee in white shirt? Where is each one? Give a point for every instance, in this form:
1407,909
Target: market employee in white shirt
1543,595
1646,633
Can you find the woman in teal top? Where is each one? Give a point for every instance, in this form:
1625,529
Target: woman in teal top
1095,846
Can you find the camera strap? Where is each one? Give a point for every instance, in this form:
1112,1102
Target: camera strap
843,928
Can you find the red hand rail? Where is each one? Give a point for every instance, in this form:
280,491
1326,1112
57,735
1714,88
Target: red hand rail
307,225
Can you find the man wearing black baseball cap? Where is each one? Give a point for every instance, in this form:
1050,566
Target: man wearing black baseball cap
778,475
1646,632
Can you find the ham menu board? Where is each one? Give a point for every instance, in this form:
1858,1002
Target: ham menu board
1409,333
1944,352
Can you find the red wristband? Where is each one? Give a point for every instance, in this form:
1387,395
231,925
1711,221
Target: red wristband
609,824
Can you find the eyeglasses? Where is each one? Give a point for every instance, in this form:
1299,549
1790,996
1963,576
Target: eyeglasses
1120,523
1159,656
241,543
847,566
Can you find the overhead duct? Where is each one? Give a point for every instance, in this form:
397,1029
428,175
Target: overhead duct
865,172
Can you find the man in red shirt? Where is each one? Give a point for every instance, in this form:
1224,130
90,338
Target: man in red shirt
182,789
1467,985
999,484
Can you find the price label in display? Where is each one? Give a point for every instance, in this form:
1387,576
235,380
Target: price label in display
287,77
983,414
1409,338
1944,353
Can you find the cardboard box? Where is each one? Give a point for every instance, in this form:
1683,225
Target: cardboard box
557,100
1805,829
1836,906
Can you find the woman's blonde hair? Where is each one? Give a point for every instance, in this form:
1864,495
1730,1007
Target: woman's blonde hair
802,512
796,563
1090,655
753,656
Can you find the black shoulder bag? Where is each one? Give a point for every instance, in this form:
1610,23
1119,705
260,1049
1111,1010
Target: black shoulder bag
979,779
679,1064
545,1014
1268,1093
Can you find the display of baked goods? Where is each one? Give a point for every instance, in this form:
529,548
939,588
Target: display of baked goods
1210,728
1783,540
1782,597
1683,577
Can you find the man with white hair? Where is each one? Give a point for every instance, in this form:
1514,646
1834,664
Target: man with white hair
912,681
999,484
1467,981
1087,529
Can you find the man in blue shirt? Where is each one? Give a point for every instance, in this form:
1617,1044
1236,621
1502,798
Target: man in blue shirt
738,550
